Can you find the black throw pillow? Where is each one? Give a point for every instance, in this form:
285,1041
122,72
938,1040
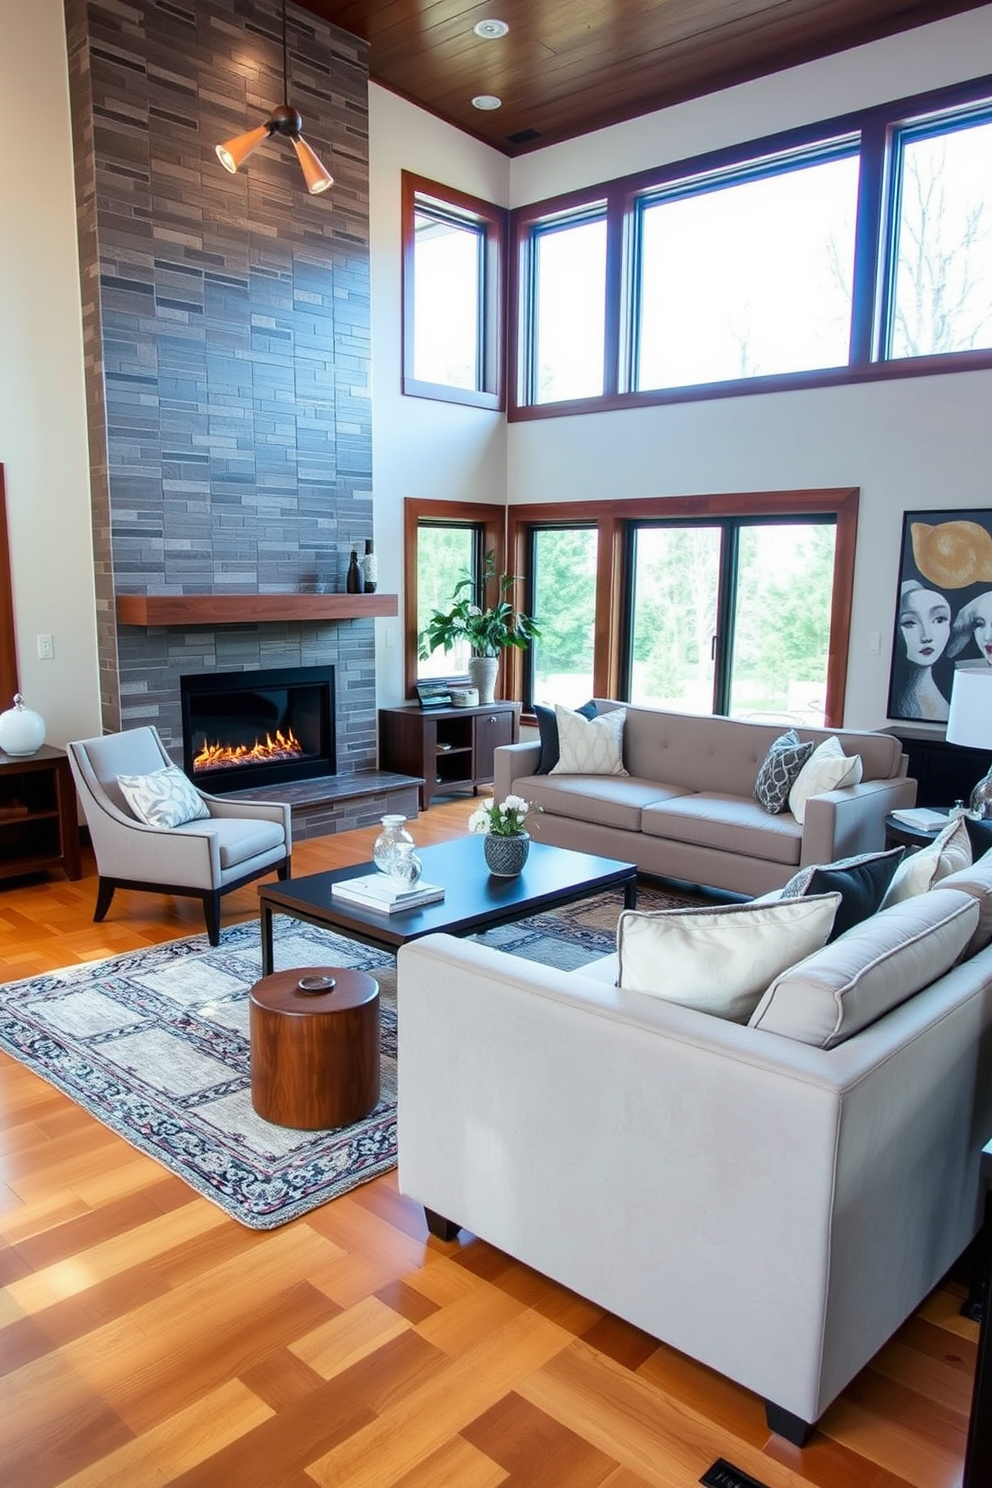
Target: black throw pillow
547,725
861,887
979,835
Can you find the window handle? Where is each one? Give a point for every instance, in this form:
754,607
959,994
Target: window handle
713,641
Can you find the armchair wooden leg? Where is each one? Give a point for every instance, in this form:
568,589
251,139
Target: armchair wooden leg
285,870
211,913
104,893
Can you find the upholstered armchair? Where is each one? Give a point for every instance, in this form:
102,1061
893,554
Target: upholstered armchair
233,842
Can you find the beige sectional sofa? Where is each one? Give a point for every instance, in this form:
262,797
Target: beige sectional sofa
770,1205
686,810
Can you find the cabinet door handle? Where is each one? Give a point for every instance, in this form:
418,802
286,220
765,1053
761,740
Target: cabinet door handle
492,718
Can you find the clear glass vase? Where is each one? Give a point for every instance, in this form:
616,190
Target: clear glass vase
393,853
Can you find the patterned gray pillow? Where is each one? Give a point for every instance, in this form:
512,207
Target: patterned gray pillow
165,798
779,769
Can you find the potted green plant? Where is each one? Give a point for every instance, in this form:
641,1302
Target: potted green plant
488,630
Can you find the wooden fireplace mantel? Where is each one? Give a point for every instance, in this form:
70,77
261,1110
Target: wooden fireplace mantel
240,609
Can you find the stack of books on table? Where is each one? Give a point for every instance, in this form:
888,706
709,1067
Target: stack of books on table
376,891
923,818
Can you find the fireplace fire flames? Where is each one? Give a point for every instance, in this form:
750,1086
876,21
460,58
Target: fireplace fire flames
224,756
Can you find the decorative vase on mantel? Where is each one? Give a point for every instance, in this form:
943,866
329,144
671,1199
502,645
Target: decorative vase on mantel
483,671
506,856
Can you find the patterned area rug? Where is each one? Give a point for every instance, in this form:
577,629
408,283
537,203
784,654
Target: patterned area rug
155,1044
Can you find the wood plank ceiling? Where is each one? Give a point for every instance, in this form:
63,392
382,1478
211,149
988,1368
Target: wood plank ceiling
570,66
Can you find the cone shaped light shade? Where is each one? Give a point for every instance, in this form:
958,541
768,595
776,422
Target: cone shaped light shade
235,152
317,178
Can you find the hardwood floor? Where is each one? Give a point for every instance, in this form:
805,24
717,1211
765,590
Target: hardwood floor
146,1339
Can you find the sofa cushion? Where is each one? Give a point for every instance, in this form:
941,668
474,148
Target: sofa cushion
165,798
861,882
873,968
735,824
590,746
828,768
922,870
718,959
547,727
779,769
979,835
975,880
606,800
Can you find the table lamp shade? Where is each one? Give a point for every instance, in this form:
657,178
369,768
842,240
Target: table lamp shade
970,723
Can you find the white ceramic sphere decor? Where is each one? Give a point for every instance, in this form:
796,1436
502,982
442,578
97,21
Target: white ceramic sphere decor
22,730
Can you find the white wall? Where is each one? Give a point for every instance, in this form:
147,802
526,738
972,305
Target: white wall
441,451
908,444
42,406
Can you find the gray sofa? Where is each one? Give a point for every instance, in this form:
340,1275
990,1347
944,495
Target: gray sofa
773,1208
686,809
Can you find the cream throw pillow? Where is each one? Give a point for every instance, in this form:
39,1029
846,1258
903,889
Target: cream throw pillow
590,746
165,798
828,768
720,960
920,871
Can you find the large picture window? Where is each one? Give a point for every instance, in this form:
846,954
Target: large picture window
942,279
562,590
444,542
747,278
736,604
453,265
570,308
731,617
850,250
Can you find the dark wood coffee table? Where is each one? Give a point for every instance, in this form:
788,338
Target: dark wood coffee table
474,900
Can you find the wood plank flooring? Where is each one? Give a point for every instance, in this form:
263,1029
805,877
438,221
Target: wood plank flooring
146,1339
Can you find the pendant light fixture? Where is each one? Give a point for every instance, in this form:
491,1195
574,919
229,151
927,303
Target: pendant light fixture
285,121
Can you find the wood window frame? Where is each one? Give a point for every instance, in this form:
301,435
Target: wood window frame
877,127
493,222
492,522
611,518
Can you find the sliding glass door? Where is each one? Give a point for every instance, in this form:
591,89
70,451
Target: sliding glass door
730,616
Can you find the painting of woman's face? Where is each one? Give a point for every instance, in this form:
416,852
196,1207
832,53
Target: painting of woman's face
982,627
925,625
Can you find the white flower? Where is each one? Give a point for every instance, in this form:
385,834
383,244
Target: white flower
516,803
479,820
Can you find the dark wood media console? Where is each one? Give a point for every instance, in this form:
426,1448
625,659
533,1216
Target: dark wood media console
450,748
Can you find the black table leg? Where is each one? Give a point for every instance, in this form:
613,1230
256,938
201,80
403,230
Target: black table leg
978,1457
265,926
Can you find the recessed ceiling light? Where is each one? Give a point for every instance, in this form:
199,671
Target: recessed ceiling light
490,30
487,101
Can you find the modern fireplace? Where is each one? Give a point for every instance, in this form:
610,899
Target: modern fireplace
243,729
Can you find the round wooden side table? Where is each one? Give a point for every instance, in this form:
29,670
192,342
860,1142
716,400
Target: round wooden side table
314,1053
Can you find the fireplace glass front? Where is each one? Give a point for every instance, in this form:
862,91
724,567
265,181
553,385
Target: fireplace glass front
243,729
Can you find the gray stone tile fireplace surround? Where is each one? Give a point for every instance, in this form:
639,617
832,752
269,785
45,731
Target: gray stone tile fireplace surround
227,341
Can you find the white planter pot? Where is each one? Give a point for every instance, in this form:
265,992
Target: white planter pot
483,671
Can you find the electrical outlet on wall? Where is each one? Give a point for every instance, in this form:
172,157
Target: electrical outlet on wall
46,648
